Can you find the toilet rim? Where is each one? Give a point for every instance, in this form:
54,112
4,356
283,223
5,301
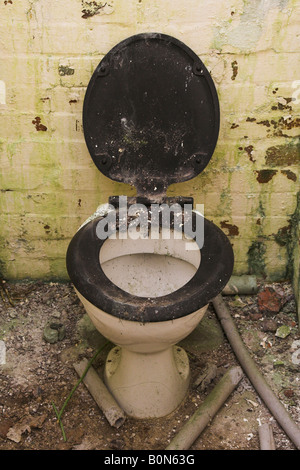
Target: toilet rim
88,278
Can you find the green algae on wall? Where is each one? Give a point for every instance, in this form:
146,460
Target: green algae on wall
256,258
283,155
293,251
49,185
289,236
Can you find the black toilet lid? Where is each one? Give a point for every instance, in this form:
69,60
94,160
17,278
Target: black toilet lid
151,113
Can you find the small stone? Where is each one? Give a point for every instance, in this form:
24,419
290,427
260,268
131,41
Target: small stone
255,316
295,344
296,352
290,307
269,325
283,331
56,314
269,301
237,302
278,363
54,332
12,313
296,357
117,444
289,393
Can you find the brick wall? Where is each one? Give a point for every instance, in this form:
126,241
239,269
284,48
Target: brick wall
49,184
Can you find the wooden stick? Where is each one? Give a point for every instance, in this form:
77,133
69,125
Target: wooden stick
106,402
212,403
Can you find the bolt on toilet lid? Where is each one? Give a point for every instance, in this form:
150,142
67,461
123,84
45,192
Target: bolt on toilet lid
151,113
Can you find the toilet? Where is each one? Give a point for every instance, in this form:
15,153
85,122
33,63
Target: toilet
146,267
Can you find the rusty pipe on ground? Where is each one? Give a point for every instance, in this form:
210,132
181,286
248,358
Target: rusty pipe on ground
266,438
241,285
208,409
106,402
259,383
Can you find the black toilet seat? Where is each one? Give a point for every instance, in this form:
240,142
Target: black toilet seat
89,279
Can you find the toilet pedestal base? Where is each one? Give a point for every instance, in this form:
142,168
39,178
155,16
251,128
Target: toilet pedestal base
148,385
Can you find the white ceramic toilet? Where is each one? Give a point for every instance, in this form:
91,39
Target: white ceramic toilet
151,118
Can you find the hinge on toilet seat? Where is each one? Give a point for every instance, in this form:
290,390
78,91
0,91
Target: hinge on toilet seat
181,200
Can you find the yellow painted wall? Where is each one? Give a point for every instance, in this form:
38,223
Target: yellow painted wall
49,184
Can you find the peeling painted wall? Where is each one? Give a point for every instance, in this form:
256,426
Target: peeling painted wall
48,182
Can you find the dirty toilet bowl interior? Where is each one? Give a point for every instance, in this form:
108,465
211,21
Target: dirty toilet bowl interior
153,267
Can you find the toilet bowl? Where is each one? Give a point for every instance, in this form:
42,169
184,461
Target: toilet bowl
150,118
145,295
146,372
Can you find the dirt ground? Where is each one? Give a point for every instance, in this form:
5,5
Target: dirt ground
36,373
